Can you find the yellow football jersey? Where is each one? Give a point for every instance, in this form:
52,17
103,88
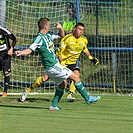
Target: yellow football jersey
69,25
70,48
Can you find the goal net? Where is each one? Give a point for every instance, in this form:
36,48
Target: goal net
109,31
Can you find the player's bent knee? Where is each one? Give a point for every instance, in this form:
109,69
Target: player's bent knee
76,78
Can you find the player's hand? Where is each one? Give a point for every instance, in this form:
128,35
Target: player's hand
10,51
18,53
58,25
95,61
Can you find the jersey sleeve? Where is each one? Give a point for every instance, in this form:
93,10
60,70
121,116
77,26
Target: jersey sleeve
12,37
53,35
85,47
7,33
36,43
62,47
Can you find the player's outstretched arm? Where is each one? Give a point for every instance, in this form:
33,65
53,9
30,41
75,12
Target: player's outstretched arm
61,30
23,52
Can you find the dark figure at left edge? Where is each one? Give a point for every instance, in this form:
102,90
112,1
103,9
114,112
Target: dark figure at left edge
6,51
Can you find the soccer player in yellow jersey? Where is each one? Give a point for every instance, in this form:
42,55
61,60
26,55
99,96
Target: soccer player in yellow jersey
69,51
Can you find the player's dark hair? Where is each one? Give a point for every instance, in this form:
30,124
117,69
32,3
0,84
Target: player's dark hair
80,24
71,6
42,22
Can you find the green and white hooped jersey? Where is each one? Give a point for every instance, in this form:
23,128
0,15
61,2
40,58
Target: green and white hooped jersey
45,46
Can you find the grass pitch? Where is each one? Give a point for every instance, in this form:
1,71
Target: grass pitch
111,114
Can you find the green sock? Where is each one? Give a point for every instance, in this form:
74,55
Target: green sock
58,94
80,88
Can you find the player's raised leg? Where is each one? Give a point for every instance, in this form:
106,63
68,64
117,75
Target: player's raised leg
36,84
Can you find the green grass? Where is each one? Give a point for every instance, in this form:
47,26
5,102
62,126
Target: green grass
111,114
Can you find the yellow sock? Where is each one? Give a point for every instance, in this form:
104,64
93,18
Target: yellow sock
72,87
28,90
38,82
69,95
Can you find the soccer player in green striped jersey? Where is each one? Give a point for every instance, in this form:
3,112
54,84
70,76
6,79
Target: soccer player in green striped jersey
43,42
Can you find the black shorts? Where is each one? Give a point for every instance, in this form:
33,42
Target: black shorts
5,63
73,67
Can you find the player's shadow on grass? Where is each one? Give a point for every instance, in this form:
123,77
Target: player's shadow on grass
23,106
27,99
35,99
8,101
